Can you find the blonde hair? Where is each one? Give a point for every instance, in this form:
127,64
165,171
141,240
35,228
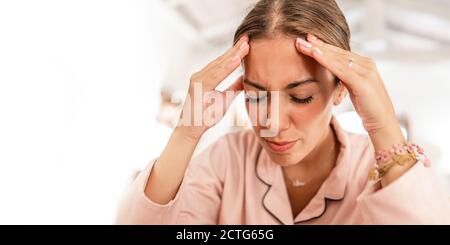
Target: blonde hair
322,18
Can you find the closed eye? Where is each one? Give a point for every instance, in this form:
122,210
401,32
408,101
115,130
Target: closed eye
252,99
301,101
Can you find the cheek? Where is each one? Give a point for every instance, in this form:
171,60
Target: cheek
310,115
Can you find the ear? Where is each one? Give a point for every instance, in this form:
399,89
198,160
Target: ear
339,94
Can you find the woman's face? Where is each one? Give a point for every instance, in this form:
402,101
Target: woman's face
306,95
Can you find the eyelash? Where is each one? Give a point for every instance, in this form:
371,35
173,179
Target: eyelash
302,101
255,100
292,98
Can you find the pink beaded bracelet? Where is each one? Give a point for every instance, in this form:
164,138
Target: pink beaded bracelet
399,154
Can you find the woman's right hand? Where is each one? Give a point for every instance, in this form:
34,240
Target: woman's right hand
196,118
168,171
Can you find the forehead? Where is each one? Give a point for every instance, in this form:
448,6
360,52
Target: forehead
276,62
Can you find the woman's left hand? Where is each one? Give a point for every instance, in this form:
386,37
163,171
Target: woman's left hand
366,88
367,93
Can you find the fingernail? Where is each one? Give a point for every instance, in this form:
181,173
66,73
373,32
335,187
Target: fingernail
304,43
244,46
314,38
317,50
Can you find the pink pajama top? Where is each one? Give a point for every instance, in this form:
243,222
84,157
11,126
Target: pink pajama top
235,182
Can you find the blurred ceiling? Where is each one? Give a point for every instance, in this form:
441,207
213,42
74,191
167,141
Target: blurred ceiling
409,39
378,26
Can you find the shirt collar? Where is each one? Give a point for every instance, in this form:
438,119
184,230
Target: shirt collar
333,187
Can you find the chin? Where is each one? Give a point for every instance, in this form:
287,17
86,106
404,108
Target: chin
284,161
284,156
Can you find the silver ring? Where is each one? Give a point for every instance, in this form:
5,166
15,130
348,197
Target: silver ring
350,63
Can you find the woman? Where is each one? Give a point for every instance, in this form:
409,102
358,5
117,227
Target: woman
306,170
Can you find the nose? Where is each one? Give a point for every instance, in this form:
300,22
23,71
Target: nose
277,119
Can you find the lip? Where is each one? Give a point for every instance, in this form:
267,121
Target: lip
281,146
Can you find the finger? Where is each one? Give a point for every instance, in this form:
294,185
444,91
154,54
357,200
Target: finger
237,86
232,92
359,63
240,44
218,73
335,61
322,45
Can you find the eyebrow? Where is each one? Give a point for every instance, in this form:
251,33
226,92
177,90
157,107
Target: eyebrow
289,86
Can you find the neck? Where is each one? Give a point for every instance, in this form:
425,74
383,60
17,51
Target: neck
320,161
